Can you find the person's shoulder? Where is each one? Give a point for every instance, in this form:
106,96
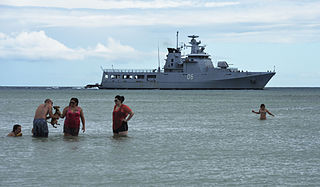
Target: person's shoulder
47,106
11,134
126,107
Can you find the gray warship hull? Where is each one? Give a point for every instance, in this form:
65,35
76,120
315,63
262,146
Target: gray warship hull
242,80
193,71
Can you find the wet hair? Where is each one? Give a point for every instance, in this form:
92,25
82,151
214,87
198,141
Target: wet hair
75,100
47,100
15,127
262,105
120,98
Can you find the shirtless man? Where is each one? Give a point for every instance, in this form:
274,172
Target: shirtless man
263,112
40,127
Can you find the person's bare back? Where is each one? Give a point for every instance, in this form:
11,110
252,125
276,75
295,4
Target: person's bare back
40,127
43,110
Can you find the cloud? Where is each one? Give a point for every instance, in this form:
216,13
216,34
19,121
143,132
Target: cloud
308,13
220,4
117,4
38,46
34,46
114,49
193,13
252,20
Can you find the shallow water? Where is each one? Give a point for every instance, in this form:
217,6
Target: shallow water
193,137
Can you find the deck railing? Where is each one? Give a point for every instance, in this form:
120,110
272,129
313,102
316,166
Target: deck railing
132,70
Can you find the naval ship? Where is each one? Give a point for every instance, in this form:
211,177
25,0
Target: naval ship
191,71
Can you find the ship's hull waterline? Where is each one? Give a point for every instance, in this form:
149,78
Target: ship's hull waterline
253,82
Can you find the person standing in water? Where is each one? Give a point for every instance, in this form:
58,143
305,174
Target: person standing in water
263,112
119,116
40,126
16,131
73,114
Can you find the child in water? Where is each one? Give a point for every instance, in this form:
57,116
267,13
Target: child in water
16,131
263,112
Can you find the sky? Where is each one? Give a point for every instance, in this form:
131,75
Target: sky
68,42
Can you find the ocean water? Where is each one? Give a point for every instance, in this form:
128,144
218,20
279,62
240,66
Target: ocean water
176,138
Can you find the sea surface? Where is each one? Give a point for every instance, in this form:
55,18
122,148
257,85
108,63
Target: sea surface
176,138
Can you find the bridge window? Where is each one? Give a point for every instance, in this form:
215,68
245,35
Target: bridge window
140,76
151,77
115,76
127,76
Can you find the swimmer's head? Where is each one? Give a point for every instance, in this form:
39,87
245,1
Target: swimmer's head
262,106
16,128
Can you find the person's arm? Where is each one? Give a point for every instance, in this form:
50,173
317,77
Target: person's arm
19,134
83,121
50,112
256,112
64,112
269,113
130,116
